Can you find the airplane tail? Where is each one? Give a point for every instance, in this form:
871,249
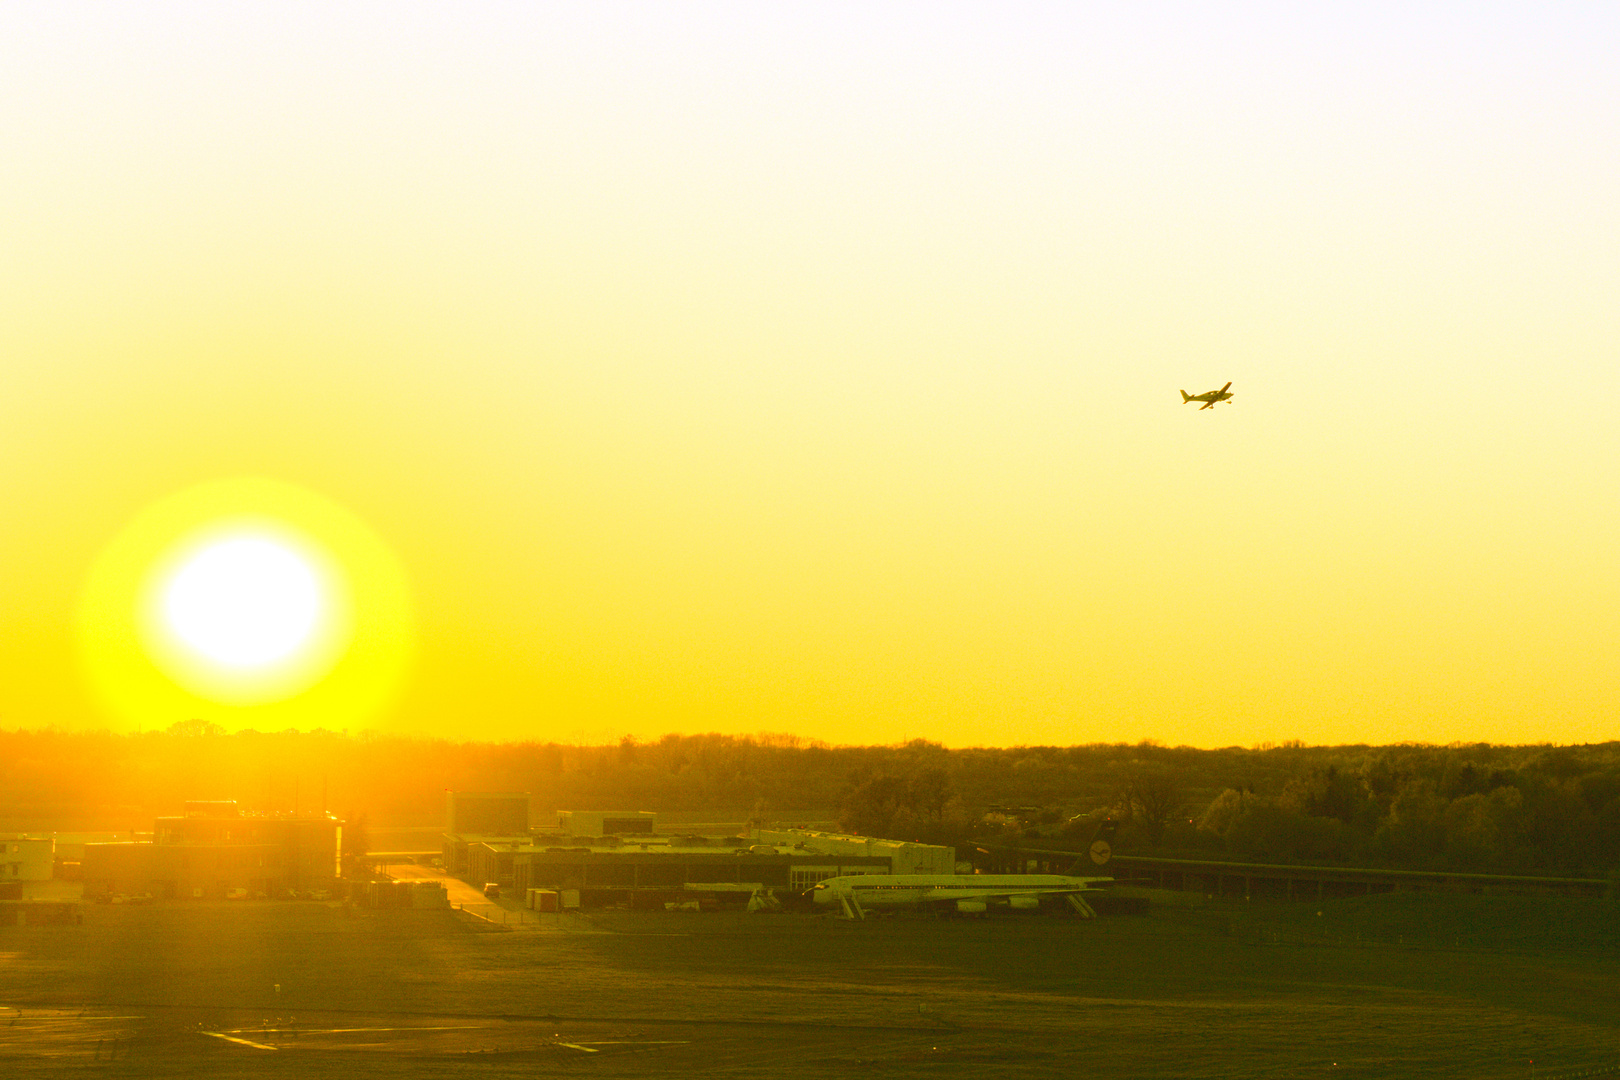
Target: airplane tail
1102,844
1185,397
1104,901
1098,852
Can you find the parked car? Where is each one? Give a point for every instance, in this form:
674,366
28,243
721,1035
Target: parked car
236,894
493,890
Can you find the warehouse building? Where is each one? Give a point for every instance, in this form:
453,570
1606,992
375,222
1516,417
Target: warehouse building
650,870
70,849
612,857
496,820
28,895
620,858
214,850
26,858
838,849
481,813
606,822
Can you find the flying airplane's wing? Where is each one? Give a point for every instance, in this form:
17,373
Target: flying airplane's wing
1225,388
1206,405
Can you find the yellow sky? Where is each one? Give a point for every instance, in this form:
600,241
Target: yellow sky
741,368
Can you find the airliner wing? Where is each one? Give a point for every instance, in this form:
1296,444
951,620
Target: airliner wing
970,893
1028,897
943,893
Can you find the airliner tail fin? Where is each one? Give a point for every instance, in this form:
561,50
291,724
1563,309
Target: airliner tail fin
1099,852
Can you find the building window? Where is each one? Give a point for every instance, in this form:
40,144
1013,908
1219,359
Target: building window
803,877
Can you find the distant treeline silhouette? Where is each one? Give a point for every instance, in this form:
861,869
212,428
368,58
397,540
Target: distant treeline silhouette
1476,807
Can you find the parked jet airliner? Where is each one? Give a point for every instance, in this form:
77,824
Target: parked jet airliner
969,893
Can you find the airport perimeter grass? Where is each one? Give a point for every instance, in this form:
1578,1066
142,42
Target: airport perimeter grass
1404,985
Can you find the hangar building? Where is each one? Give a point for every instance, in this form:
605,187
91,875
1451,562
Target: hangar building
496,819
214,848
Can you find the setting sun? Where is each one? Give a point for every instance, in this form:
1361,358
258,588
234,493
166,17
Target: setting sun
244,602
251,602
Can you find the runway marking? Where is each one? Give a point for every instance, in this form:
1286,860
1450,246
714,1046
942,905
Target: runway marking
69,1019
579,1046
346,1031
634,1042
234,1039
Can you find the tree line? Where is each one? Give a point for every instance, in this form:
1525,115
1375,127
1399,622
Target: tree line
1477,807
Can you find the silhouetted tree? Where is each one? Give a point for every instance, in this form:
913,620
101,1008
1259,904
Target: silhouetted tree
869,808
1157,797
194,728
1530,809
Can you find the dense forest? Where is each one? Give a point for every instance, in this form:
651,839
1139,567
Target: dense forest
1478,807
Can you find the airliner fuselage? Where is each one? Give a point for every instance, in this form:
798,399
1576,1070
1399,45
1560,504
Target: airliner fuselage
968,892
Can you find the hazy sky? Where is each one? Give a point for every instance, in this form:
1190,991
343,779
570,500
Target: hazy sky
814,368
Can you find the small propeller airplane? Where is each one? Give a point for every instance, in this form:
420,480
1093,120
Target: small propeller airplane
1209,400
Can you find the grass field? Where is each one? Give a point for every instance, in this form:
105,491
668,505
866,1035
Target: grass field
1405,985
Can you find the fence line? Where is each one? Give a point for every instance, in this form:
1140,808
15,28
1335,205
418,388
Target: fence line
1576,1072
502,916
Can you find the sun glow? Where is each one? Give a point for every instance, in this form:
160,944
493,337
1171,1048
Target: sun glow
245,609
245,602
250,602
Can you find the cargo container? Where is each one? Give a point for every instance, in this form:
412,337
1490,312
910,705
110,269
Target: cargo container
429,894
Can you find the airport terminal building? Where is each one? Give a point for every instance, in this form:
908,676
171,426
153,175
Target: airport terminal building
643,869
625,858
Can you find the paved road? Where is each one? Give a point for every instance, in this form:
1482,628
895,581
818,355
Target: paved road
507,910
459,891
